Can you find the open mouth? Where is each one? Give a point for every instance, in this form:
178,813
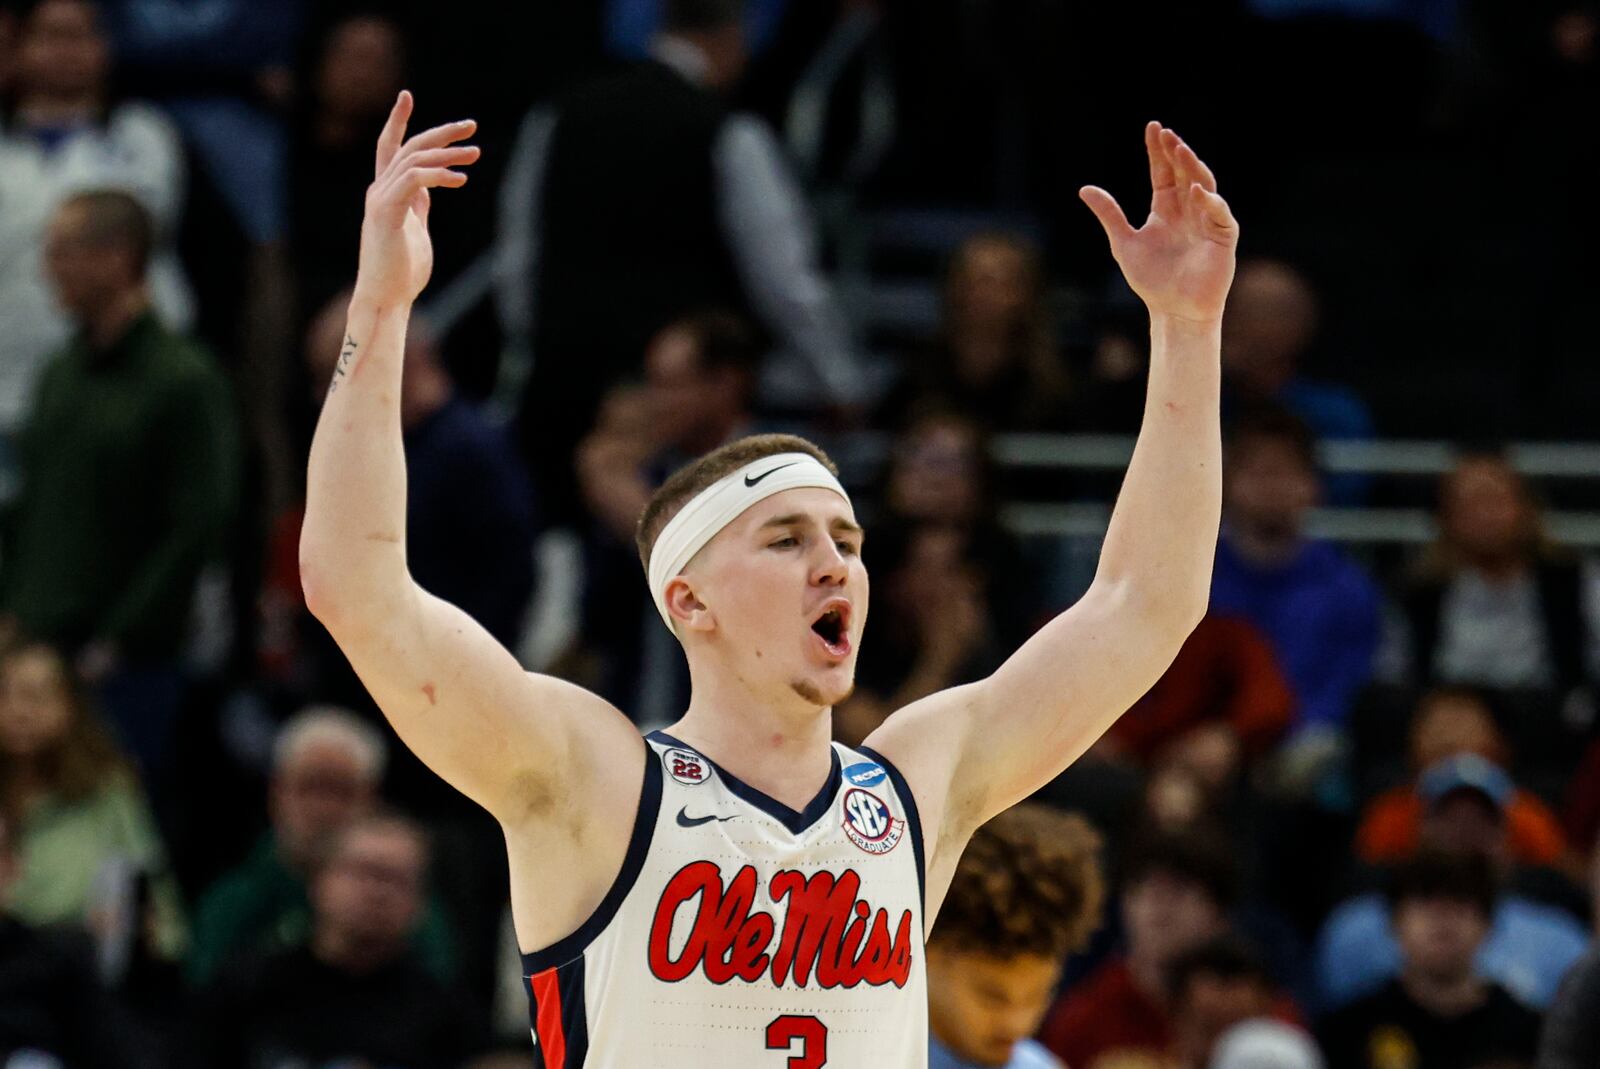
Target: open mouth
833,628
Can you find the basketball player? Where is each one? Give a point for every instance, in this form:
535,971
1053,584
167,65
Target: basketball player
738,890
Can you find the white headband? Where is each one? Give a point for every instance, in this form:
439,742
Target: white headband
720,504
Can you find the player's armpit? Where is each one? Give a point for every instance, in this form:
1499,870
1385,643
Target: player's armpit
923,741
524,746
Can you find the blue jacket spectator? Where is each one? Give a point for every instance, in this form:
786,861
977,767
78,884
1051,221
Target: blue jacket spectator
1529,946
1529,949
1319,610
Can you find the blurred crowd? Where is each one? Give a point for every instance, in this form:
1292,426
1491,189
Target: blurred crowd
1355,825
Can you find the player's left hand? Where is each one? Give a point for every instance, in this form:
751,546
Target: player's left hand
1180,262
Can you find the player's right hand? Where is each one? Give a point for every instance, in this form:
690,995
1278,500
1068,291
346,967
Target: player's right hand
396,253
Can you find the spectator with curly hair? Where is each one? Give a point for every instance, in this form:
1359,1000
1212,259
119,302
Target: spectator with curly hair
1028,891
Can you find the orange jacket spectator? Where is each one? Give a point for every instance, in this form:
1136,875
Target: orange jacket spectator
1392,826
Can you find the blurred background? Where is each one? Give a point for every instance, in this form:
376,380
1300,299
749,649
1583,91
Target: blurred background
854,219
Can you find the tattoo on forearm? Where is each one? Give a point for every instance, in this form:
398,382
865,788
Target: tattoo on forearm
346,356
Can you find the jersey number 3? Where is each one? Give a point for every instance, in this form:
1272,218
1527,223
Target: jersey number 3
811,1033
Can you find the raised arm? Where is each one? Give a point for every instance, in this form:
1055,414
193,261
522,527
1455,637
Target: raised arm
516,743
976,750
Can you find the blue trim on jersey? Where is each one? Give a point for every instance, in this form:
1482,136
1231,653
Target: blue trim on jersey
912,818
574,1012
574,1015
795,822
644,826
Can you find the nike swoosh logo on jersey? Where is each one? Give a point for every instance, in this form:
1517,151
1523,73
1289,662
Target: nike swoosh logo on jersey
686,821
748,481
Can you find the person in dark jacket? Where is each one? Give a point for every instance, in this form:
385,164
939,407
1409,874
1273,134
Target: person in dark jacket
356,989
637,198
1571,1035
1492,604
130,475
53,1010
1439,1013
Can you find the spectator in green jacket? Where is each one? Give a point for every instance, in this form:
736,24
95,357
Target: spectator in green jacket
128,462
80,816
327,767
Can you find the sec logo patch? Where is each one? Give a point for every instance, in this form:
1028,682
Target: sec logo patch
686,766
869,824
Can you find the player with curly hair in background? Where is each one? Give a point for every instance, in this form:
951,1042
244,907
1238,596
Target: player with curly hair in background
1028,892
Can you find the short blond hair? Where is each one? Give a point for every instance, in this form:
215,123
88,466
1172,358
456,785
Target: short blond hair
694,477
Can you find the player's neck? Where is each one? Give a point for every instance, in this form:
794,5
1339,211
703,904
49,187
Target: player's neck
782,751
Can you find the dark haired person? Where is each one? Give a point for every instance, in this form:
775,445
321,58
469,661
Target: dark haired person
1530,943
1177,891
62,132
1270,327
1315,605
635,198
995,359
1214,988
1493,603
698,393
742,890
1027,893
1439,1012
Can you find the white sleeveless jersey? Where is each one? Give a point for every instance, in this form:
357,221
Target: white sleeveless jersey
741,934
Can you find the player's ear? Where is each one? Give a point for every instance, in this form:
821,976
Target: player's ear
687,608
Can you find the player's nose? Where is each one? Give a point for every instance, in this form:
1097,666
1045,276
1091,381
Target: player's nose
829,567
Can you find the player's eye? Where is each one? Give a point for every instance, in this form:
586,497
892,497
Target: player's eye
846,548
785,542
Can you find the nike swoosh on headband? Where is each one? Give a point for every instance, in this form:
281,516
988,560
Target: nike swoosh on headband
748,481
686,821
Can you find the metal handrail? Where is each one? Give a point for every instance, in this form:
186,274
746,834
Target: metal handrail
1087,452
1412,527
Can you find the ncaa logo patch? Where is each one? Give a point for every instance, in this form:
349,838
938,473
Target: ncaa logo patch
686,766
869,824
864,774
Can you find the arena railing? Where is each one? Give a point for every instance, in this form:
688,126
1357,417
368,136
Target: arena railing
1100,453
